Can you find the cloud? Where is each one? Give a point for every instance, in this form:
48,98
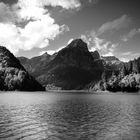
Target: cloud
108,54
66,4
126,53
106,48
70,40
37,32
131,34
103,46
42,52
127,56
6,13
28,24
124,59
122,22
86,39
51,52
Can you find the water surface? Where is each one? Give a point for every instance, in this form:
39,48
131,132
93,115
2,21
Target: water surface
67,116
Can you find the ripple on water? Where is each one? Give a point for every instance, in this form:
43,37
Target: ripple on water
67,116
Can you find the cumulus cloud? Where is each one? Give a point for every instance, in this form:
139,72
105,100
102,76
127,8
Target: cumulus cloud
122,22
37,32
86,39
131,34
66,4
106,48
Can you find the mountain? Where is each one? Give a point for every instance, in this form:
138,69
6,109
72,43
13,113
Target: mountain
73,67
36,63
112,63
13,75
95,55
126,78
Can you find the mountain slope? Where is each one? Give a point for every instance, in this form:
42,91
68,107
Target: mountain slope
127,78
73,67
112,63
13,75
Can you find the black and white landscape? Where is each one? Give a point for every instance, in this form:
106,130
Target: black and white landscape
69,70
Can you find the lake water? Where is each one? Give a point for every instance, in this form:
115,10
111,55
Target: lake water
67,116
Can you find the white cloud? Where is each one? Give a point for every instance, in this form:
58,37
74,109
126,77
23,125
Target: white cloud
55,51
106,48
42,52
66,4
126,53
124,59
99,43
9,37
108,54
36,34
39,30
131,34
86,39
70,41
127,56
50,52
122,22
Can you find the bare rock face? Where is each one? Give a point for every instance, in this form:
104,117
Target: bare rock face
13,75
76,54
96,55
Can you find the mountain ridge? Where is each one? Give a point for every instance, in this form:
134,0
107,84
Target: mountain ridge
74,67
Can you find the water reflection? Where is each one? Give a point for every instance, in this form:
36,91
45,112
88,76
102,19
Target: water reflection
69,117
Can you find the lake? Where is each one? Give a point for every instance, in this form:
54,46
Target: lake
69,116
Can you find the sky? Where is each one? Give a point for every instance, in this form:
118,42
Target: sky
32,27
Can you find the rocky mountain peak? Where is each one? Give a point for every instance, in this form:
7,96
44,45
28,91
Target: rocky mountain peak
95,55
78,43
110,58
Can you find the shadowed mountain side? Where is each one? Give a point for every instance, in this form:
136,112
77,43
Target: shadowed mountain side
126,78
13,76
73,67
